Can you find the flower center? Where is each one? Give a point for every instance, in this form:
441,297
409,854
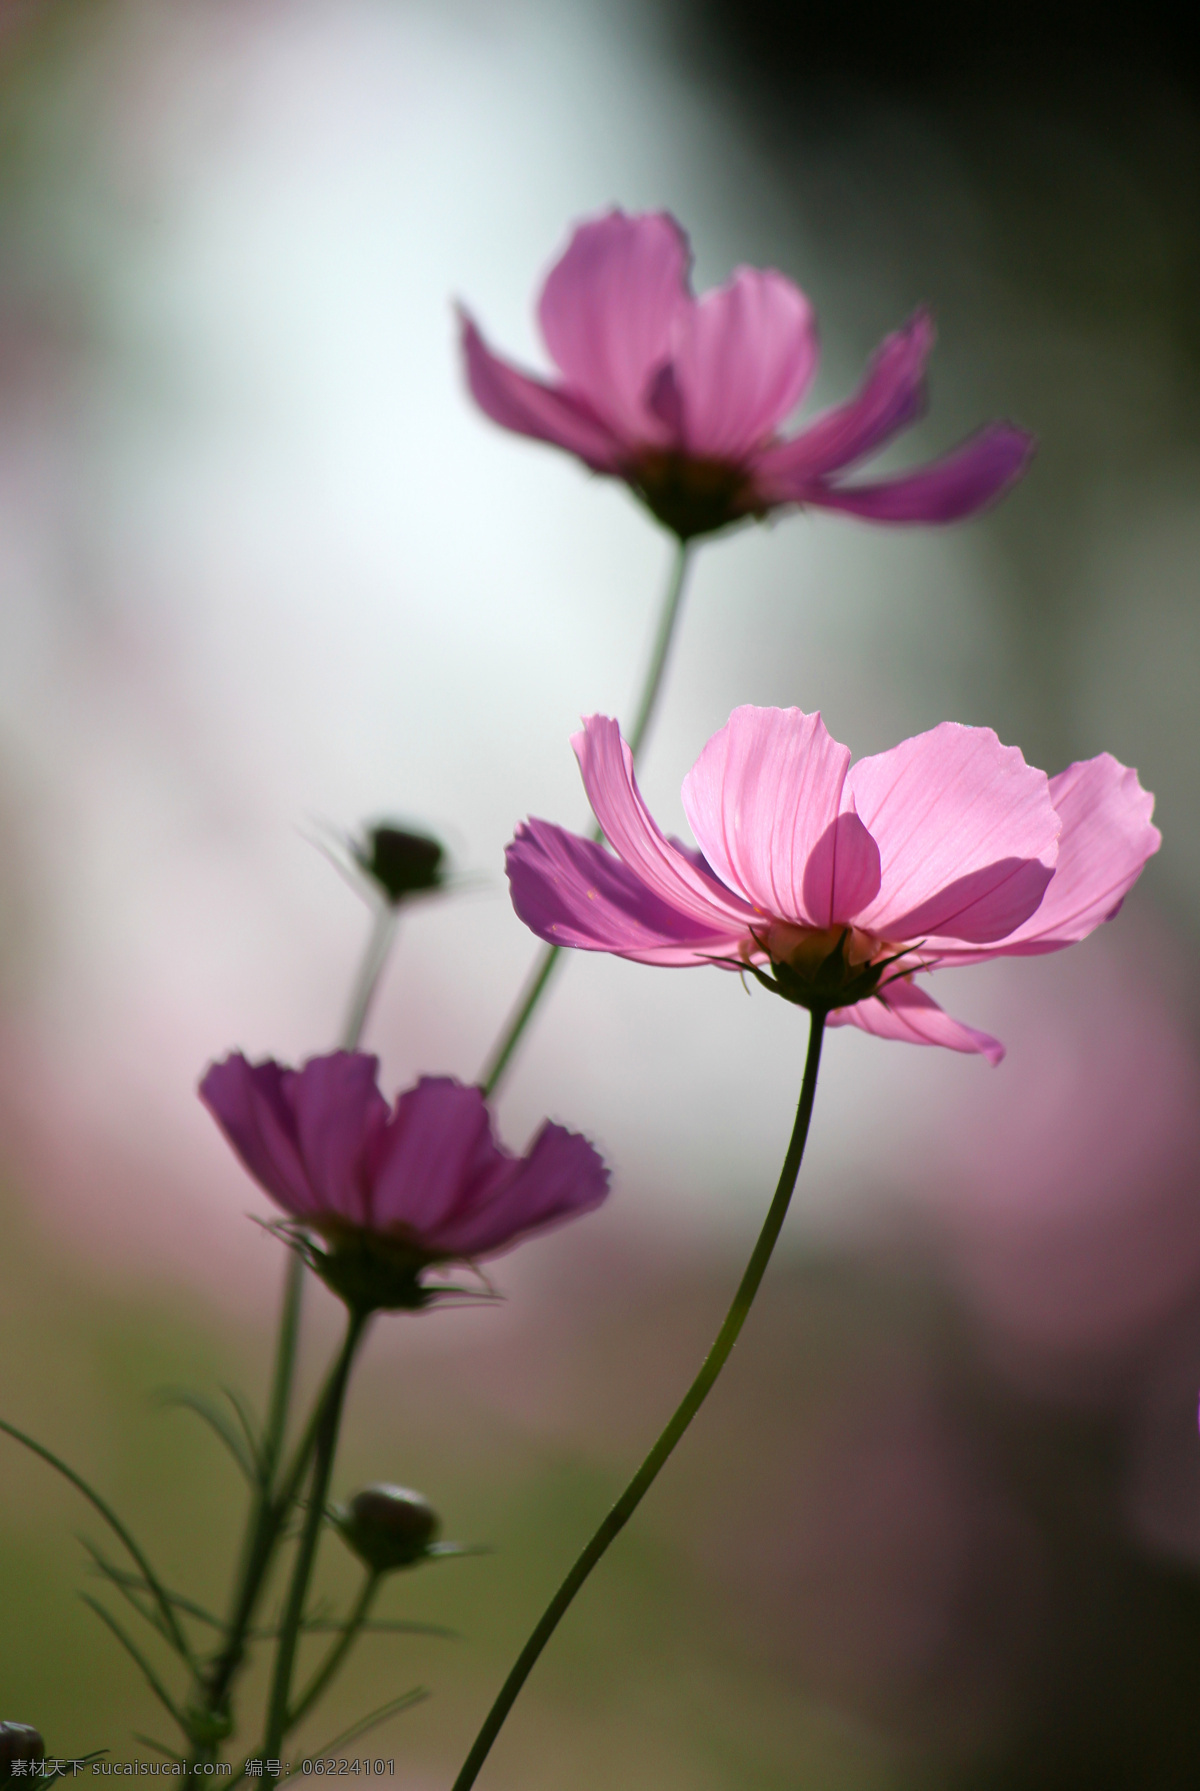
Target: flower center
825,967
691,496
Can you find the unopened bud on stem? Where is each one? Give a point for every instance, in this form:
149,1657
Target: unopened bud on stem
401,863
388,1527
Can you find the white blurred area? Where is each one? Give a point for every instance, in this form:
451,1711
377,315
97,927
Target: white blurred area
264,571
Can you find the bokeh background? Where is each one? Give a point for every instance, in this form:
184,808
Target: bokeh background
264,574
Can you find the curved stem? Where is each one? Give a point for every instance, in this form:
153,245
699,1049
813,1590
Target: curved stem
328,1424
543,968
338,1652
379,944
690,1404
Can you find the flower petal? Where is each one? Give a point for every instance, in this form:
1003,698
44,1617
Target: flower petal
530,407
1107,836
437,1143
340,1115
607,311
760,797
907,1013
743,358
890,398
672,875
966,831
842,875
968,479
570,891
562,1175
250,1104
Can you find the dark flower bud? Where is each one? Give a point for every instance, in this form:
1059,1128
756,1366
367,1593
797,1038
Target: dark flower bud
388,1527
402,864
18,1742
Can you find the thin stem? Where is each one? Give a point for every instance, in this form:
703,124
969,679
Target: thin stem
692,1400
379,944
543,967
328,1425
338,1652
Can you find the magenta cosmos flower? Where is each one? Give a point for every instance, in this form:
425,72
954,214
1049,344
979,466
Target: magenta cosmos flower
393,1190
683,398
846,880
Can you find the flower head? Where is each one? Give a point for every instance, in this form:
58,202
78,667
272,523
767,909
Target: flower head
393,1191
844,880
683,397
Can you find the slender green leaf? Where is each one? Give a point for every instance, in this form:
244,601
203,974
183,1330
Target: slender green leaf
217,1421
151,1677
405,1701
254,1438
160,1747
129,1586
115,1525
187,1605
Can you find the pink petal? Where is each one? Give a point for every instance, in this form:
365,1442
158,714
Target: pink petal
962,482
759,798
607,311
907,1013
572,892
250,1104
1107,836
672,875
843,872
518,402
743,358
340,1114
890,398
438,1140
966,831
560,1177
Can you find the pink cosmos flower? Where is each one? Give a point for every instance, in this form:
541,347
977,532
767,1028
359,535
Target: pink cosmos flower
394,1190
846,880
683,398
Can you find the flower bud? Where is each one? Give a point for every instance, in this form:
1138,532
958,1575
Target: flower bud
18,1742
401,863
388,1527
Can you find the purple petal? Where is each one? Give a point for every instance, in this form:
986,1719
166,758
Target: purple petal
760,797
1107,836
607,311
340,1116
743,358
571,892
908,1014
560,1177
437,1142
842,875
249,1102
890,398
607,767
957,818
530,407
962,482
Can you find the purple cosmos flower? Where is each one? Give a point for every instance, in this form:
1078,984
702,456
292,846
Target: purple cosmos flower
683,398
392,1190
846,880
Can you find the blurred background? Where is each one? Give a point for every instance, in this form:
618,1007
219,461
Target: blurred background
264,573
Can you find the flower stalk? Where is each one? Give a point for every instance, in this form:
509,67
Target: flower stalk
543,968
693,1399
328,1425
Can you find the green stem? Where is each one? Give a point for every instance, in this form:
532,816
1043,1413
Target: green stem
543,967
379,944
338,1652
692,1400
328,1425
